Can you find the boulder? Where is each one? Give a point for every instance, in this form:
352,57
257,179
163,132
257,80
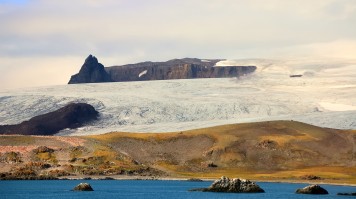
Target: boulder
73,115
235,185
83,187
312,189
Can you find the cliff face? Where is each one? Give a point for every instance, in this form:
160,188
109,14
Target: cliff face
187,68
91,72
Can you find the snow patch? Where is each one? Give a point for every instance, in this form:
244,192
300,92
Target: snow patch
337,107
142,73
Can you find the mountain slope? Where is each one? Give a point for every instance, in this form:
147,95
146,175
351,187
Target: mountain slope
261,146
73,115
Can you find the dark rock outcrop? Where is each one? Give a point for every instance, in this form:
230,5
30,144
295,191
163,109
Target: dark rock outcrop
312,189
43,149
91,72
347,194
235,185
25,176
310,177
73,115
187,68
83,187
194,180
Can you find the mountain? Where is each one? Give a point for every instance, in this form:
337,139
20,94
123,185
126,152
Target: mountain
187,68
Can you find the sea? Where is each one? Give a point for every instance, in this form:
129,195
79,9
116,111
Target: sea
148,189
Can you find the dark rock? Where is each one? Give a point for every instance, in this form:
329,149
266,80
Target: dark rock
347,194
92,71
83,187
73,115
43,149
199,189
295,76
235,185
107,178
194,180
268,144
312,189
187,68
310,177
212,165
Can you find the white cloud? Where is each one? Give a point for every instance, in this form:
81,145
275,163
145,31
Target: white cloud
137,30
37,71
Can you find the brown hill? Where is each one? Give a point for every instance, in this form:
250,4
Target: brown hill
279,150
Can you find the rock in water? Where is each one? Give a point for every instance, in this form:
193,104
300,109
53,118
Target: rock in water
83,187
312,189
92,71
235,185
347,194
73,115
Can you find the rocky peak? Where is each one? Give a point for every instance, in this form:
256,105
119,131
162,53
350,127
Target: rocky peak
91,61
92,71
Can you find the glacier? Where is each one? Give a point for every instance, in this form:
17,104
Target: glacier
324,96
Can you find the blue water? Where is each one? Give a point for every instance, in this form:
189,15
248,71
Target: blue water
150,189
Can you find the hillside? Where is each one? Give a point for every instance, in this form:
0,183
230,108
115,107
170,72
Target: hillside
73,115
279,150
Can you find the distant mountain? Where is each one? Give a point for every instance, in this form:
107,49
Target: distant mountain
188,68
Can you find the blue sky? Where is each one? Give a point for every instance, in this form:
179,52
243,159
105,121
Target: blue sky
13,2
43,42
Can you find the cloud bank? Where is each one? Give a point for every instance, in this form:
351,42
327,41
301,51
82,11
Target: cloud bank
45,41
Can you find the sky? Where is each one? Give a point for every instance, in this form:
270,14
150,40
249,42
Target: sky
44,42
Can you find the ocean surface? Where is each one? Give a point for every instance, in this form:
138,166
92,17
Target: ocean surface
149,189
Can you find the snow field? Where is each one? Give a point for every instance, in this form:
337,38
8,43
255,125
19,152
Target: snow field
324,96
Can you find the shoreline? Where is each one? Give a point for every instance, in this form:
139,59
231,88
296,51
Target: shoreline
120,177
130,177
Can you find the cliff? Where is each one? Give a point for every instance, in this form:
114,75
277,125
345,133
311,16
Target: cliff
187,68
